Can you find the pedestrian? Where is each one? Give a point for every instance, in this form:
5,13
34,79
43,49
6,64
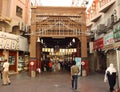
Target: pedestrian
54,66
74,75
110,75
58,66
5,75
50,64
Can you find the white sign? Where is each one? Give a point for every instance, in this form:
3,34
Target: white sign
32,63
13,42
83,63
8,44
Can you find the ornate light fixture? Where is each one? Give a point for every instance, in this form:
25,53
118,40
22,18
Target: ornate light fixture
38,39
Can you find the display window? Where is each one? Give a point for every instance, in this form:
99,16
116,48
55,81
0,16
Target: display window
12,60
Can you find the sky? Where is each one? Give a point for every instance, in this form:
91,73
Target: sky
56,2
60,2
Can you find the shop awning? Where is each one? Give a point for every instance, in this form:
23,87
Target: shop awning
108,47
117,45
111,46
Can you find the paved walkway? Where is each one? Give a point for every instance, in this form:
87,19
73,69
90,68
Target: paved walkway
54,82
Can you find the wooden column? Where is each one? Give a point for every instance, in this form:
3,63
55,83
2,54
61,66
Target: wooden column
38,52
33,37
83,39
78,50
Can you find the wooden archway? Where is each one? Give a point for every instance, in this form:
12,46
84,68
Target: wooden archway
58,22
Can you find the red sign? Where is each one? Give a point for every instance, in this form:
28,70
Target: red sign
98,44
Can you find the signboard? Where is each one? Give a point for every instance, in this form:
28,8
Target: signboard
23,44
98,44
78,63
108,39
116,33
91,47
13,42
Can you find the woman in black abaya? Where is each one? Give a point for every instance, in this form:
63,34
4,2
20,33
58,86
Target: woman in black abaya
110,75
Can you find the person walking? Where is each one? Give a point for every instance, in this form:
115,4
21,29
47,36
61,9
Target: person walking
74,75
110,75
50,66
5,77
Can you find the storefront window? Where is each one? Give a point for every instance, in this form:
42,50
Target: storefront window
1,58
12,60
21,63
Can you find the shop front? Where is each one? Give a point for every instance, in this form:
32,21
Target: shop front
109,48
116,35
100,57
10,46
12,58
1,58
111,44
1,55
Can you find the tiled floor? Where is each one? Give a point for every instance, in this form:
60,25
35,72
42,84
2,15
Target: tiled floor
54,82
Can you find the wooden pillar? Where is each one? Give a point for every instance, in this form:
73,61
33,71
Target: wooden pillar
38,52
83,39
78,49
33,37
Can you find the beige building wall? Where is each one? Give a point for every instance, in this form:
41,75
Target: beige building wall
25,5
8,13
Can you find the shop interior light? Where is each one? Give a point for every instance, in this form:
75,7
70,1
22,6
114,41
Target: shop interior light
38,39
41,41
73,40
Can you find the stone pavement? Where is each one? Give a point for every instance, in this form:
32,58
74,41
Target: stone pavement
54,82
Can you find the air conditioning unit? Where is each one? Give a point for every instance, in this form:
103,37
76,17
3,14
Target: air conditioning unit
101,28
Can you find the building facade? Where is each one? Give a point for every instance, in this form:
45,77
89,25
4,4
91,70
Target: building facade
14,23
103,20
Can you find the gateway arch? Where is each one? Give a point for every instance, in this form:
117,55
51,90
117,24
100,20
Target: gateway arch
58,22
